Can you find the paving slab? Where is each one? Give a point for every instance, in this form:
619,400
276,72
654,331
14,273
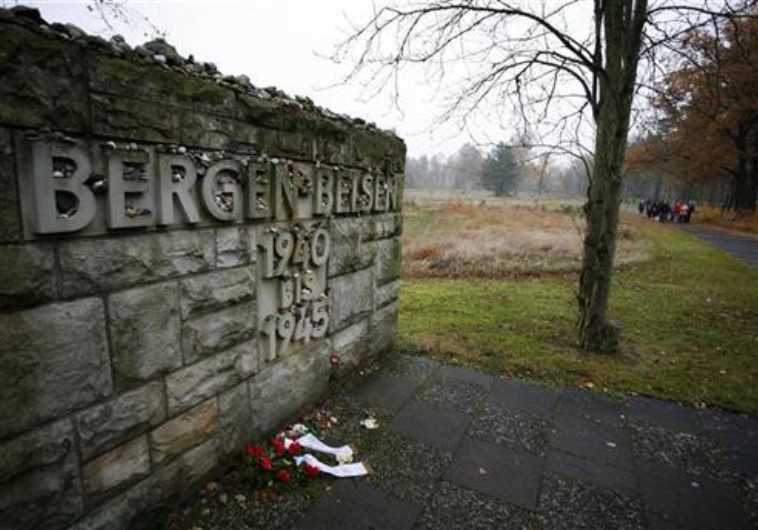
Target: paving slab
387,392
735,433
592,406
592,472
474,377
691,501
508,474
664,414
438,427
593,441
358,506
519,395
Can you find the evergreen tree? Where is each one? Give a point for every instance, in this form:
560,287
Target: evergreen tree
501,171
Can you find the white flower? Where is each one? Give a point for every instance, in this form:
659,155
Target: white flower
370,423
345,457
299,428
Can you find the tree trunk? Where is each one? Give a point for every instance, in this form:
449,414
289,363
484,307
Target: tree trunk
596,333
658,188
745,183
623,23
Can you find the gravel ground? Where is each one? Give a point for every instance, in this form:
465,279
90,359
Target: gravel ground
750,499
507,427
568,504
455,507
688,452
407,469
230,504
453,393
417,368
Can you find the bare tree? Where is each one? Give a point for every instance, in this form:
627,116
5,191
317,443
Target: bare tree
570,68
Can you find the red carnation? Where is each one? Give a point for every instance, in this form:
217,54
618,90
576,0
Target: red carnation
266,464
283,476
295,449
279,447
311,471
254,451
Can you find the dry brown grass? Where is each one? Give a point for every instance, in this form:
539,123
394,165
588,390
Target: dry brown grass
460,239
741,222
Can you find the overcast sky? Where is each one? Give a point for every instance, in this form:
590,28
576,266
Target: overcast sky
278,42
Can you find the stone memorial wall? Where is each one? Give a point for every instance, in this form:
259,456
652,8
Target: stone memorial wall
187,260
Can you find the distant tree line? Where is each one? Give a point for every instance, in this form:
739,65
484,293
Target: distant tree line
505,170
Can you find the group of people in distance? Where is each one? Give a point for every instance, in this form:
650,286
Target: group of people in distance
663,211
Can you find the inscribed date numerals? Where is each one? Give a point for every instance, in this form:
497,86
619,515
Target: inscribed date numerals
293,302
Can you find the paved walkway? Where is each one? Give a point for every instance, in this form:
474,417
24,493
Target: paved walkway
743,247
461,449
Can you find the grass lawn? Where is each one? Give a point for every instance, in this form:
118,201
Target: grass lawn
690,317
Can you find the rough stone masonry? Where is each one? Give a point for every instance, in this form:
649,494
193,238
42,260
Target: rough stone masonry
183,253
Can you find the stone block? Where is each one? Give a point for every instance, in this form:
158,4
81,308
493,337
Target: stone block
184,432
218,331
95,265
154,83
387,225
387,263
373,148
285,387
127,118
215,290
383,328
334,150
10,227
119,512
236,419
351,344
350,250
39,479
351,297
129,462
187,471
145,324
106,425
212,131
43,81
27,276
293,121
54,360
386,294
235,246
204,379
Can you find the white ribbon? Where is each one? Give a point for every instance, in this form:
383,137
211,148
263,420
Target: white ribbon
343,471
309,441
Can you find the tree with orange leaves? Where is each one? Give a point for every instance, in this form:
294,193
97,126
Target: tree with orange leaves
710,109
